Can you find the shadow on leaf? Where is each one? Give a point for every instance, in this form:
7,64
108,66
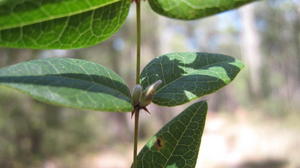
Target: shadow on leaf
88,83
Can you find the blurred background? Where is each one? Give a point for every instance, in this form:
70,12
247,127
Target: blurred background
252,123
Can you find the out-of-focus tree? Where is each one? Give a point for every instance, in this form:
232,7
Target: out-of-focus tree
279,27
40,131
250,45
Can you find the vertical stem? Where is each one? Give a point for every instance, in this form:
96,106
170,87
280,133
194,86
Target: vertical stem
138,40
136,133
138,69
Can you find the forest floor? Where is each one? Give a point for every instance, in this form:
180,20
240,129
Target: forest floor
239,141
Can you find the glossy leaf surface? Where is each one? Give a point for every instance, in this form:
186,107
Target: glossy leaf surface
69,82
177,144
49,24
187,76
193,9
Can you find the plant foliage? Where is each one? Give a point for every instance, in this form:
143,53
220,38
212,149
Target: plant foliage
187,76
194,9
68,24
69,82
57,24
177,144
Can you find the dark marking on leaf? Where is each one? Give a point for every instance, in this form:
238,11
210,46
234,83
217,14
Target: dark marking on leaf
159,143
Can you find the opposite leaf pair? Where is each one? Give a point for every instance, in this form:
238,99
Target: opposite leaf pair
87,85
67,24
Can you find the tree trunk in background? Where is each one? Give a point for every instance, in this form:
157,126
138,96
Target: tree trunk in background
297,42
250,42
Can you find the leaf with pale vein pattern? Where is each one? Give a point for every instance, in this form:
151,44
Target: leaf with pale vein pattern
69,82
177,144
194,9
60,24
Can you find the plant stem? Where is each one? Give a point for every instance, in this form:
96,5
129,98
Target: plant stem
138,40
136,133
138,69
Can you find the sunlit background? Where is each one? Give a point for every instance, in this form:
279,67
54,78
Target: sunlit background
252,123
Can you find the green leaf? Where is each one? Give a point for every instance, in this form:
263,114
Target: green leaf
194,9
69,82
177,144
15,13
187,76
64,24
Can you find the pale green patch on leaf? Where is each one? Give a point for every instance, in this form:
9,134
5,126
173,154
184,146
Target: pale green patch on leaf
69,82
44,24
194,9
187,76
172,166
177,144
151,142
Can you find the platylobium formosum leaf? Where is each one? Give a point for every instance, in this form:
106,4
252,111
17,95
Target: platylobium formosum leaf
194,9
69,82
15,13
64,24
187,76
177,144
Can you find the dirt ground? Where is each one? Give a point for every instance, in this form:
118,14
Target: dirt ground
228,142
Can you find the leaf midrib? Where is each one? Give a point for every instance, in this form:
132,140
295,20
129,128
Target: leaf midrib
59,16
183,133
200,6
